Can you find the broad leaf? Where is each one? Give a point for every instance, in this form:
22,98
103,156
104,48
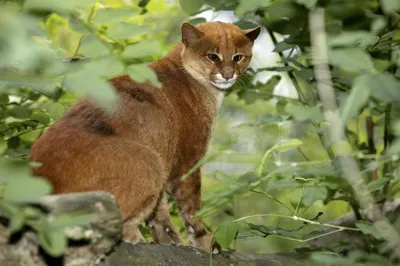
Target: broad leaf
352,38
226,233
191,7
350,58
56,110
142,73
302,112
53,241
385,87
307,3
357,98
29,189
113,15
125,30
250,5
369,229
141,49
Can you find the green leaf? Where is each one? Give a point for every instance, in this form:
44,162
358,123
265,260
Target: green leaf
389,6
249,6
307,3
385,87
17,221
376,185
65,220
312,194
226,179
4,98
141,49
226,233
13,169
280,146
54,242
3,146
350,58
283,46
56,5
369,229
92,47
19,111
394,148
327,258
302,112
357,98
125,30
28,189
41,117
191,7
94,87
142,73
56,111
352,38
113,15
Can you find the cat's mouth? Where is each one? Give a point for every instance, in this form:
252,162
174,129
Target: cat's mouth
225,85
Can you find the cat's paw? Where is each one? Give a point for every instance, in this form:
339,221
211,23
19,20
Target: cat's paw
207,243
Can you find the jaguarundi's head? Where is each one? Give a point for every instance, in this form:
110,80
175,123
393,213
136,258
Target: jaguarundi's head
217,53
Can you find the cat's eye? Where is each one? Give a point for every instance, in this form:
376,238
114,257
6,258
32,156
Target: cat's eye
237,58
213,57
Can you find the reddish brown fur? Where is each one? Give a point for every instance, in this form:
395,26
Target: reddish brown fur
156,137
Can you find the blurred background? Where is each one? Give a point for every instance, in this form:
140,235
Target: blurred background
271,152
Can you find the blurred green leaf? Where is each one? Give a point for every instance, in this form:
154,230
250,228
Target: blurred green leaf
142,73
369,229
70,219
4,98
312,194
307,3
125,30
394,148
91,46
19,111
114,15
250,5
389,6
56,5
26,189
302,112
17,221
385,87
53,241
41,117
226,233
56,110
350,58
141,49
352,38
191,7
280,146
94,87
357,98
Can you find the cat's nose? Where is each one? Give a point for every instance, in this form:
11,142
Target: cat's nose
227,75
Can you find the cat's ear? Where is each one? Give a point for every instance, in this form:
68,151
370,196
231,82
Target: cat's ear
252,34
190,34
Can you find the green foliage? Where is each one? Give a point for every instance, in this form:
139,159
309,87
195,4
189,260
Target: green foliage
363,47
296,168
36,81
